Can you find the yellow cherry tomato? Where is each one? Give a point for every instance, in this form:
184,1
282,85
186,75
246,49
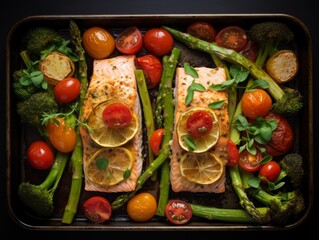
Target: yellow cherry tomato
141,207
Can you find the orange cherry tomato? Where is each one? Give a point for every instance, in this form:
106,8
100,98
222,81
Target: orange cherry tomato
158,41
117,115
256,103
61,135
156,140
98,42
97,209
141,207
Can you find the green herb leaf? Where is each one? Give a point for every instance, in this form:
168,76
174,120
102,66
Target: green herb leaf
190,143
127,173
102,163
254,182
191,89
190,70
259,83
216,105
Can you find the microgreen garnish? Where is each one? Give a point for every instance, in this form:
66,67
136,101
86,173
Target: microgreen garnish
190,70
216,105
190,143
191,89
127,173
102,163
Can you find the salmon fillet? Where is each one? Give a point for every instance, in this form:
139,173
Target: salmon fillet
207,77
113,78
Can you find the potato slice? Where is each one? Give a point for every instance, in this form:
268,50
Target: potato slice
56,67
282,66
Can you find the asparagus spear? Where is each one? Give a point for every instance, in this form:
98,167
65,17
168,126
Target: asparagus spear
77,155
165,149
166,100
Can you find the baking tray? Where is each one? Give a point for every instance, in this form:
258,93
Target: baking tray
18,135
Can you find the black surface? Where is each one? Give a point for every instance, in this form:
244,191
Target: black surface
17,10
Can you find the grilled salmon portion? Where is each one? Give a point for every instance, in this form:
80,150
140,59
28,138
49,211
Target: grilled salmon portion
113,78
207,77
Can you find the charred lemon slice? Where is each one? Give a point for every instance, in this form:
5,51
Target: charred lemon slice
109,166
199,143
201,168
114,127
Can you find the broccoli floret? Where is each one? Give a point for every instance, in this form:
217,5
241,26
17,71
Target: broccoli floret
23,92
32,109
39,198
291,169
284,206
39,38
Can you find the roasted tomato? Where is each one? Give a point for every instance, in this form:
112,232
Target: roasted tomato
199,123
67,90
141,207
178,212
97,209
233,154
269,171
117,115
202,30
39,155
158,41
250,162
130,41
250,51
152,68
62,136
156,140
282,137
256,103
98,42
232,37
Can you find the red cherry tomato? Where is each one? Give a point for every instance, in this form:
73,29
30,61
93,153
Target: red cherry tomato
39,155
158,41
156,140
250,51
61,135
250,162
129,41
178,211
199,123
282,137
232,37
97,209
152,68
202,30
233,154
67,90
269,171
117,115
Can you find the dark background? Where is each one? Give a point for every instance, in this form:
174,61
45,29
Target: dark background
16,10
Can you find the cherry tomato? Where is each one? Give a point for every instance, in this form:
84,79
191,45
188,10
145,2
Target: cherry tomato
129,41
158,41
141,207
117,115
282,137
269,171
97,209
152,68
61,135
232,37
98,42
178,211
202,30
256,103
156,140
250,51
250,162
67,90
39,155
199,123
233,154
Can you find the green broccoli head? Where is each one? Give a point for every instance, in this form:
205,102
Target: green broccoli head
36,198
289,104
32,109
292,168
23,92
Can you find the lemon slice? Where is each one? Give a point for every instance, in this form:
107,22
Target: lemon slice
201,168
203,143
109,166
106,136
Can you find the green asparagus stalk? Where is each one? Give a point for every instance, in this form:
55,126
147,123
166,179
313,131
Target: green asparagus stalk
166,100
229,215
77,155
148,112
